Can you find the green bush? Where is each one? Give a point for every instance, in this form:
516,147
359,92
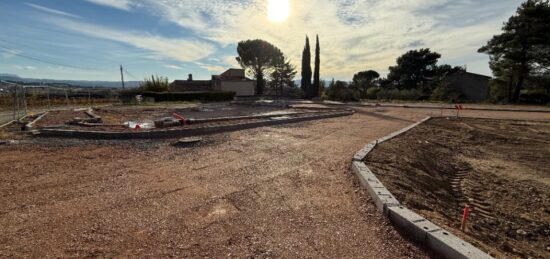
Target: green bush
498,90
396,94
341,91
175,97
534,96
372,93
155,84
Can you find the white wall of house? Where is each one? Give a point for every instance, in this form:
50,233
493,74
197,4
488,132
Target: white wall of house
242,88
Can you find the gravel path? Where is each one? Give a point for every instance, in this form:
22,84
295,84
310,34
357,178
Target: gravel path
282,191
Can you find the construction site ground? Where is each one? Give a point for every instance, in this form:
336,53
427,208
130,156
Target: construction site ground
501,168
282,191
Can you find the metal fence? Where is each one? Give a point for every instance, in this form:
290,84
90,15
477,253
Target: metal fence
12,102
17,100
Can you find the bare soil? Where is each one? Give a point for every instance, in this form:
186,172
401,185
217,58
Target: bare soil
119,115
59,118
283,191
500,167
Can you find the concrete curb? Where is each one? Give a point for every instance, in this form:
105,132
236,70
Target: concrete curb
7,123
185,132
361,154
30,125
412,106
417,227
451,108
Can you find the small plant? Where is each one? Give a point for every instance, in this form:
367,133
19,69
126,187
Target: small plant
372,93
154,84
341,91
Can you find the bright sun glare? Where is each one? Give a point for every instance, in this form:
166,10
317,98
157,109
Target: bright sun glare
278,10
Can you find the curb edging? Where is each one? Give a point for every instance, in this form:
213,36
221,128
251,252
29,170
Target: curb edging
172,133
30,125
418,228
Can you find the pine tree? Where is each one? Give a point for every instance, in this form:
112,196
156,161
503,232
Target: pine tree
306,70
316,74
522,50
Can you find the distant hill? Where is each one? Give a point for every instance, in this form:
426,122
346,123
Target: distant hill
76,83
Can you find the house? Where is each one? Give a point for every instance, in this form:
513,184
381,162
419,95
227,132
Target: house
232,80
473,87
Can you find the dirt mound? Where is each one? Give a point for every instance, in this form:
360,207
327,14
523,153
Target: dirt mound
499,167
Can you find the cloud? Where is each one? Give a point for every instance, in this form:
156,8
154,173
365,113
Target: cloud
52,11
124,5
10,53
159,47
211,67
24,67
173,67
231,61
355,34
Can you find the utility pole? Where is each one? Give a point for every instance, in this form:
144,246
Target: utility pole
122,76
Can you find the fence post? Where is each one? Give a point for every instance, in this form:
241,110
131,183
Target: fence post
14,101
48,95
24,100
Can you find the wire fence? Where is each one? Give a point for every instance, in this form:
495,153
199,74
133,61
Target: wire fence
17,100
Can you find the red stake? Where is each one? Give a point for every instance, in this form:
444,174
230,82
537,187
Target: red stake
465,217
180,118
458,108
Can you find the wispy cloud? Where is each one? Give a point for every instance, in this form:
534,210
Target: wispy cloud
211,67
27,67
160,47
355,34
52,11
118,4
10,53
173,66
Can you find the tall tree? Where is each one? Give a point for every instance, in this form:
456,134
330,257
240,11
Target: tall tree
258,57
282,76
523,48
414,67
363,80
317,71
306,70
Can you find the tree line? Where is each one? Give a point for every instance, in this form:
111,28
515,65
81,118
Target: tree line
273,71
519,60
268,65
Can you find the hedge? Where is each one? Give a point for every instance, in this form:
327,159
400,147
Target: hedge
181,96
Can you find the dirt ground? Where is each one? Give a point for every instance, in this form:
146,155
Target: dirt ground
121,114
283,191
500,167
114,117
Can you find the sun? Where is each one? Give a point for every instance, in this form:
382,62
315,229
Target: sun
278,10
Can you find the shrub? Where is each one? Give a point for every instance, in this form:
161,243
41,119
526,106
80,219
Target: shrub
534,96
498,90
396,94
340,91
372,93
155,84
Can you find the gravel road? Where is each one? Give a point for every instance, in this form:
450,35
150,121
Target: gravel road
283,191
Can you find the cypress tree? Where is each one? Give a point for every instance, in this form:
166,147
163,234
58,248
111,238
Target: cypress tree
306,70
316,74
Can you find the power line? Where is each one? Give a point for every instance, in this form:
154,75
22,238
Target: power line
130,74
16,53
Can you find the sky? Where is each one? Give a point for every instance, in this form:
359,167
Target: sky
89,39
